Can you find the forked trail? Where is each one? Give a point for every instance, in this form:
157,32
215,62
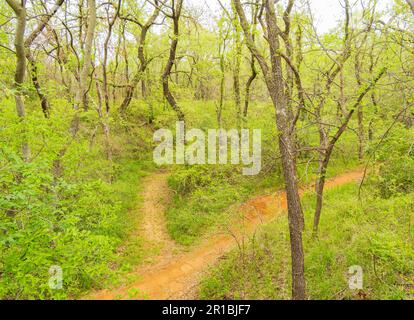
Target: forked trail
176,273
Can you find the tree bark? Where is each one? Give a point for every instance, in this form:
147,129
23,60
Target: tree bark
20,11
81,99
105,62
219,110
35,79
411,4
248,86
43,22
236,73
360,112
104,121
324,164
176,14
33,65
324,143
222,49
142,59
254,73
275,84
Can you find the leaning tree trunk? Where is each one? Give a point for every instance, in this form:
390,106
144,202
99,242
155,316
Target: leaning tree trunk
29,55
253,75
320,188
35,79
411,4
324,164
142,60
248,86
170,63
20,72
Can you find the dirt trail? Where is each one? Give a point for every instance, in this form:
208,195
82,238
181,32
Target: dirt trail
157,197
177,275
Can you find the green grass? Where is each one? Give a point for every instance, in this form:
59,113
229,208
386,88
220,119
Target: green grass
126,191
204,194
86,223
376,234
203,197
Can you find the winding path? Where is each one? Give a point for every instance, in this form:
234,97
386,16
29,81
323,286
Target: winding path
175,274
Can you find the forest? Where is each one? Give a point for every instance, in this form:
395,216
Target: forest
90,90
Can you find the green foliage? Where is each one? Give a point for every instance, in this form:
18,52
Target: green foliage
397,178
74,204
75,220
192,178
203,194
396,169
376,235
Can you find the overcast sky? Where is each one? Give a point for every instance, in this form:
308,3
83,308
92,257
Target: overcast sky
326,12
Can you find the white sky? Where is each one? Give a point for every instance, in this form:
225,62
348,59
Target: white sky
327,13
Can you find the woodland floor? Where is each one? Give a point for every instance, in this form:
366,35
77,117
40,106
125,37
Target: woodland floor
174,272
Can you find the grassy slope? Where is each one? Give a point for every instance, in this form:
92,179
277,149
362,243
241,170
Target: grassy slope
206,195
78,222
375,234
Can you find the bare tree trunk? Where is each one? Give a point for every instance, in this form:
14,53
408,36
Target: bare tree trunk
361,132
142,59
248,86
104,121
411,4
43,23
35,79
374,102
20,11
342,99
176,14
105,62
320,188
324,164
81,98
288,151
222,46
219,109
360,111
275,84
125,53
33,67
236,70
253,76
81,4
325,145
236,80
115,71
61,61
